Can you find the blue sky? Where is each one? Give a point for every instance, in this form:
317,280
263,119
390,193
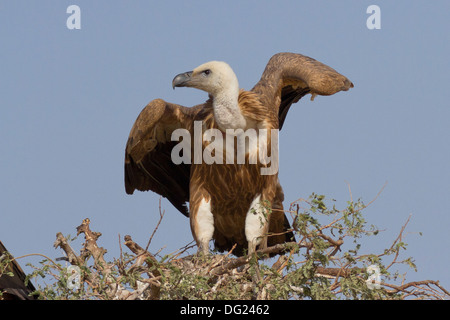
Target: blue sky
68,99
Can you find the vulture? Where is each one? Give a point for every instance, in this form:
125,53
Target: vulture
232,203
13,285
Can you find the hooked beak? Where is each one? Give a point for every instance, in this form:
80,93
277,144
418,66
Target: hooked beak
182,79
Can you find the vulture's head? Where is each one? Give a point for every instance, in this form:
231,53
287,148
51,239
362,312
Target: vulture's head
213,77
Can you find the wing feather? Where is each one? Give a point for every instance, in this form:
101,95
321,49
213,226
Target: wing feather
290,76
148,165
13,287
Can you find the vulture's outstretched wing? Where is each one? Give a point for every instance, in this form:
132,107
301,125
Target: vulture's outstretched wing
13,287
148,163
290,76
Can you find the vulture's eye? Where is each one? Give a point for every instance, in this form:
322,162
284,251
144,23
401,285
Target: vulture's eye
206,72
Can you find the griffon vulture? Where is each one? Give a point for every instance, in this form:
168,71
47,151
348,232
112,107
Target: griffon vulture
231,203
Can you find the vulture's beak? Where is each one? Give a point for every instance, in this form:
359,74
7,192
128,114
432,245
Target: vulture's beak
182,80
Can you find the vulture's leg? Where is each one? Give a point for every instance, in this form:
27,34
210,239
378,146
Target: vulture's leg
256,225
202,223
256,228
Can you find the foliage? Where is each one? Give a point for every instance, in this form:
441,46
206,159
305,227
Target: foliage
324,262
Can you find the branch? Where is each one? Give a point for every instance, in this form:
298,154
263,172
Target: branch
234,263
161,215
142,255
61,242
338,272
90,246
420,286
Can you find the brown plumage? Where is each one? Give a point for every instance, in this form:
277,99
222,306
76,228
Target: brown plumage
14,288
222,197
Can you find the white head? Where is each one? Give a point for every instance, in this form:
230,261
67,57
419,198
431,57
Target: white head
214,77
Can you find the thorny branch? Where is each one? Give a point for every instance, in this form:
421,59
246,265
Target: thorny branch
220,269
324,271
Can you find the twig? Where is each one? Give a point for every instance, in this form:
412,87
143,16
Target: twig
37,254
142,255
378,194
161,215
399,238
237,262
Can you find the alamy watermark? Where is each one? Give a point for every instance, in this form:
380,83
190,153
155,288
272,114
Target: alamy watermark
231,147
74,277
374,280
374,20
74,20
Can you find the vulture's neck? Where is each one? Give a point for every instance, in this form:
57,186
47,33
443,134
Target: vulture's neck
227,113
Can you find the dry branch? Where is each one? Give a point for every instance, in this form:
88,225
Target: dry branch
221,271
